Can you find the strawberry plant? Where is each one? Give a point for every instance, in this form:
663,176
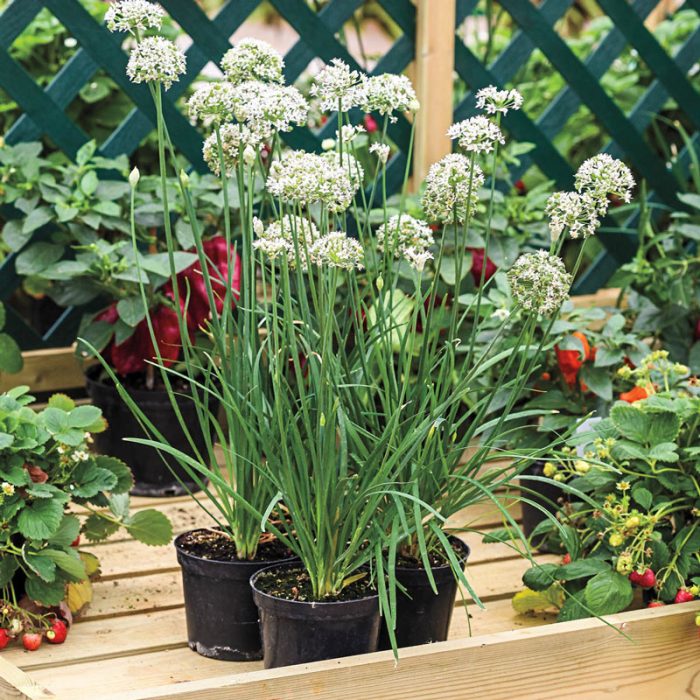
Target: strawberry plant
46,466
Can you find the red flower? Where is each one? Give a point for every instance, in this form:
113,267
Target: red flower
638,393
570,361
520,186
370,123
478,266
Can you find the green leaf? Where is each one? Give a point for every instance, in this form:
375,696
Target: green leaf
13,236
55,420
642,496
89,480
43,567
40,519
65,213
84,416
62,402
8,567
608,592
96,528
664,452
581,568
573,608
159,264
46,593
6,440
38,257
89,182
10,355
86,152
131,310
68,562
540,577
36,219
67,531
150,527
605,357
125,479
598,380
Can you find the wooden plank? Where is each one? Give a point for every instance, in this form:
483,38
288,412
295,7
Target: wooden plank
15,683
435,55
581,659
54,369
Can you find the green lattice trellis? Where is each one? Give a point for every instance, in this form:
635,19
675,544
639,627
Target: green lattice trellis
583,87
99,49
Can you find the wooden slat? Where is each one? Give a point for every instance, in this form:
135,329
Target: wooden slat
581,659
54,369
15,683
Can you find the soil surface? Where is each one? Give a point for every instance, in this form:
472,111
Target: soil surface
218,546
436,559
295,584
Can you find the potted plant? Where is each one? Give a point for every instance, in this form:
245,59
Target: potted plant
88,261
46,465
639,470
10,354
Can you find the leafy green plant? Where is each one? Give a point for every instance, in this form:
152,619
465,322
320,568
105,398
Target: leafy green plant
45,467
640,466
10,354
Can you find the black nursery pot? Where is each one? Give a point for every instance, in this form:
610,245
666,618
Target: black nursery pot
544,493
222,619
152,476
297,632
422,617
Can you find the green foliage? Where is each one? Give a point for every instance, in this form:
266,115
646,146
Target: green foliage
45,465
10,354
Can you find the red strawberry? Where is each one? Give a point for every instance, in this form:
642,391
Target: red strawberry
656,604
31,641
566,559
520,187
683,596
58,632
370,123
5,638
644,580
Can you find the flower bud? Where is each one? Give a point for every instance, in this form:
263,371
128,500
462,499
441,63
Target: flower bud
249,155
134,176
380,283
184,179
328,144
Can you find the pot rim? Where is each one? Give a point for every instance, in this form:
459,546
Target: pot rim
466,549
299,604
236,562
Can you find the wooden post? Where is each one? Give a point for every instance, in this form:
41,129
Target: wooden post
435,56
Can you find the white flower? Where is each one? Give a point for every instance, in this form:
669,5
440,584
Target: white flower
539,282
387,93
336,86
501,314
156,60
403,233
451,188
80,456
348,132
574,211
7,489
350,164
291,237
602,176
335,249
417,258
476,135
213,103
234,139
382,151
494,100
328,144
305,178
252,59
134,177
133,16
267,108
249,155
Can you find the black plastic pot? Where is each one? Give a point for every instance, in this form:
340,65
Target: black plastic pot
422,617
296,632
545,495
222,619
152,476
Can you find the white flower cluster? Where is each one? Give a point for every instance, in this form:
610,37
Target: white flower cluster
336,249
574,211
451,188
539,282
267,108
336,87
305,178
381,150
212,103
252,59
290,237
494,100
348,132
406,237
350,164
156,60
134,16
476,135
235,141
387,93
603,176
